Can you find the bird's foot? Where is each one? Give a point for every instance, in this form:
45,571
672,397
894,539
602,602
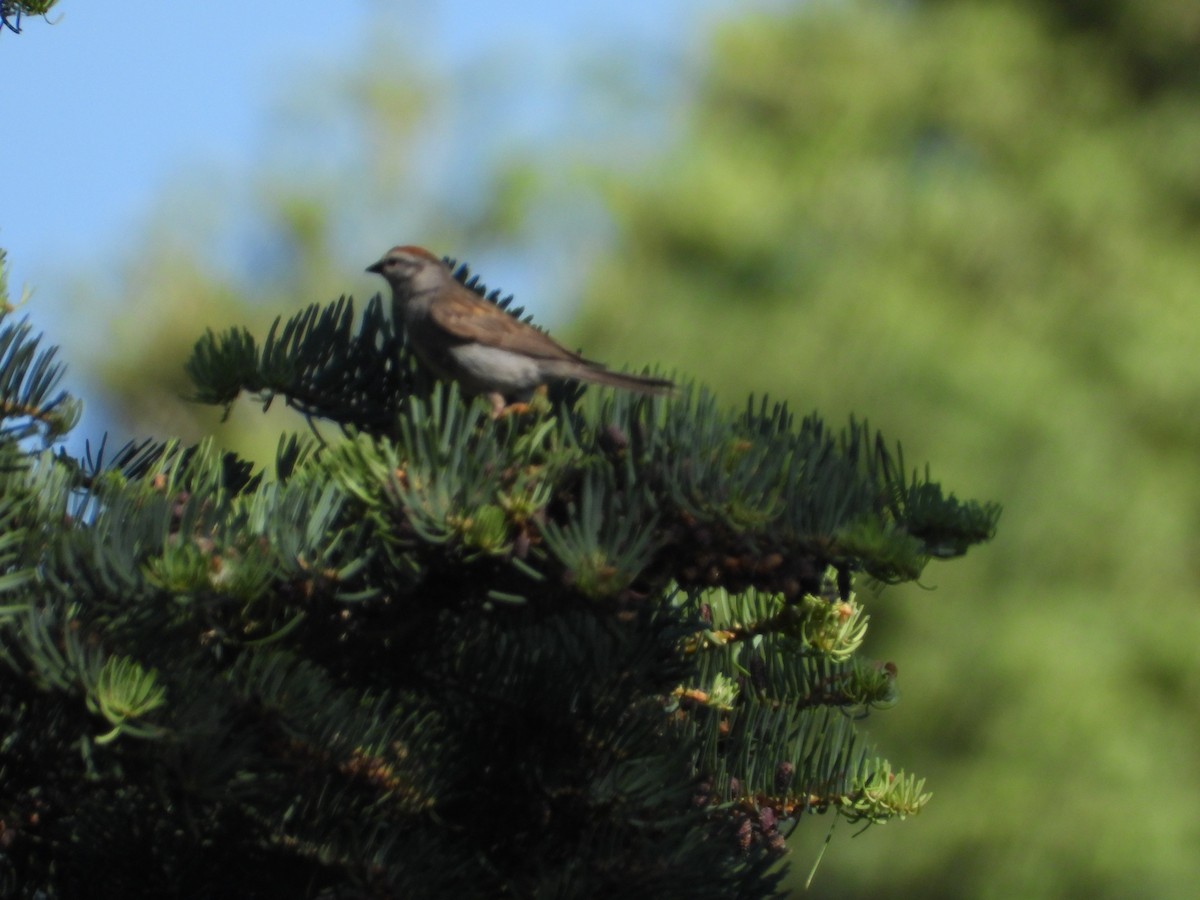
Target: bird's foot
538,403
512,409
501,408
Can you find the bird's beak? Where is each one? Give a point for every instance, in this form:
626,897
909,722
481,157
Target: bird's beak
377,268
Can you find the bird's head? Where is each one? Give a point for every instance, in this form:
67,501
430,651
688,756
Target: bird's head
409,268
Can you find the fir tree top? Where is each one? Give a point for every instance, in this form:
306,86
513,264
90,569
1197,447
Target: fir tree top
610,648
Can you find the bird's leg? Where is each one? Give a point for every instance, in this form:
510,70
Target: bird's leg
499,408
538,402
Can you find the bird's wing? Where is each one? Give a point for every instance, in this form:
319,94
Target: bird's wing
474,319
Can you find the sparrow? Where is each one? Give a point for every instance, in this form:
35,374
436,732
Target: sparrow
460,336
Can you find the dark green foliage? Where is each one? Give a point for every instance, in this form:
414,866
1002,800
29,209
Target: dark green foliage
11,12
606,649
28,378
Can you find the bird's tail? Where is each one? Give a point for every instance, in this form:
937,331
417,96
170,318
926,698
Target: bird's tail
640,383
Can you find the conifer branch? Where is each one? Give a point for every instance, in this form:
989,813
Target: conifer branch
612,643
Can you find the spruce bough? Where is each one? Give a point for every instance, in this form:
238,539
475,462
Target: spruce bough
607,648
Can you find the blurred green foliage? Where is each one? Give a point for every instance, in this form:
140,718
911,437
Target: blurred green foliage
979,225
11,11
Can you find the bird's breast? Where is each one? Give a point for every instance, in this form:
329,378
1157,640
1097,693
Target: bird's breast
485,369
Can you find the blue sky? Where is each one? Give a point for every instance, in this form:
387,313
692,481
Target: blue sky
108,104
119,97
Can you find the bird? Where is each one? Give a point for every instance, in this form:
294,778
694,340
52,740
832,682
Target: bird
460,336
